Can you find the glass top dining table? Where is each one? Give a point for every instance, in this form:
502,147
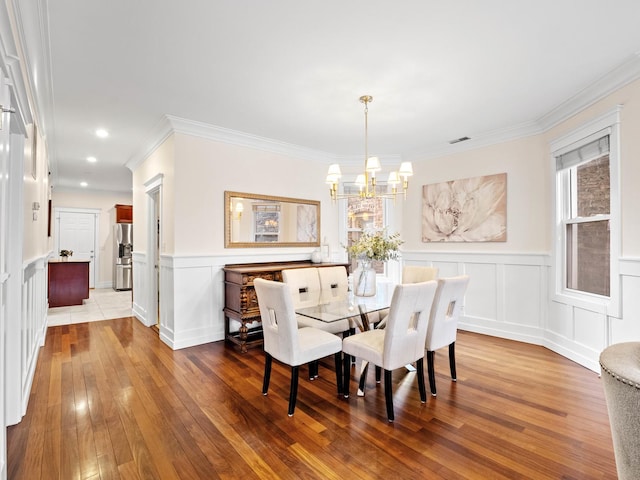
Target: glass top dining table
336,304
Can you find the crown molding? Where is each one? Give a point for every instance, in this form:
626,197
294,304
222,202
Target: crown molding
171,124
486,139
625,73
622,75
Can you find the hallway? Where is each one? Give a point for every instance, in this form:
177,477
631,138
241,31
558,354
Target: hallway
102,304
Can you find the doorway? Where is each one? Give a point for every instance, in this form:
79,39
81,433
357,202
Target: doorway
77,230
154,247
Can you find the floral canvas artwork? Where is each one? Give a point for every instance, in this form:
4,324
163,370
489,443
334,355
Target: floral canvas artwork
466,210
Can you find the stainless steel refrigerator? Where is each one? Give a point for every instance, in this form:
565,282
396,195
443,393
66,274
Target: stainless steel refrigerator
123,235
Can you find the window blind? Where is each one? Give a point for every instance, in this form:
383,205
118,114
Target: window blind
585,153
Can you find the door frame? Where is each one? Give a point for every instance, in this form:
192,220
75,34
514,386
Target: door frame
153,191
96,231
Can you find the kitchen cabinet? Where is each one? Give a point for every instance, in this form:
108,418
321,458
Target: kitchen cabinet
124,213
68,282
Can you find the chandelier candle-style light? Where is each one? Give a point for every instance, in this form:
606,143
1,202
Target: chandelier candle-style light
366,182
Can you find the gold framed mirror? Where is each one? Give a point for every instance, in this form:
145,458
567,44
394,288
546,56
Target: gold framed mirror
253,220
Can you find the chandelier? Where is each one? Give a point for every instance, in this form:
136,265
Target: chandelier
366,182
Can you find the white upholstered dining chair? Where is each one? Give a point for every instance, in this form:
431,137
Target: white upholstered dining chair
306,289
410,274
443,325
400,343
418,273
287,343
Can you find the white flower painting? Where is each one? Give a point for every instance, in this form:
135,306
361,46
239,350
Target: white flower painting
467,210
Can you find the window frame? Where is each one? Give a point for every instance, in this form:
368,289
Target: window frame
605,124
387,219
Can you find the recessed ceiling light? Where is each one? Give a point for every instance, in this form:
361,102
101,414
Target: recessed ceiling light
83,184
102,133
92,159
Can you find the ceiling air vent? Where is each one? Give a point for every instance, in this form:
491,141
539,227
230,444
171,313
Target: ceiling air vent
458,140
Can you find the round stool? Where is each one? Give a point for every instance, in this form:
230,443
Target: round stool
620,368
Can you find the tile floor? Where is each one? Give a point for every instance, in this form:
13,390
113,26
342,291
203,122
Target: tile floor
102,304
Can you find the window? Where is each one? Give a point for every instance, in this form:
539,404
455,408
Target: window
587,215
586,185
364,214
266,222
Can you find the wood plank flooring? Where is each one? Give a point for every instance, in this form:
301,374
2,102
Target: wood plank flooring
109,401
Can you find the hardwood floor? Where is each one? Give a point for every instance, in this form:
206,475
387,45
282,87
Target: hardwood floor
109,400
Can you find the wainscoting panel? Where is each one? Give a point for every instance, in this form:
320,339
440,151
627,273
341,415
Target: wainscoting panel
481,300
524,304
509,296
34,321
589,329
140,282
507,293
627,328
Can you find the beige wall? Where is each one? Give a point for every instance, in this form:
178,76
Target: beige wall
629,98
161,161
527,163
193,194
209,168
105,202
527,194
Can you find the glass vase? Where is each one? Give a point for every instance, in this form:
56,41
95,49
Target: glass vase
364,279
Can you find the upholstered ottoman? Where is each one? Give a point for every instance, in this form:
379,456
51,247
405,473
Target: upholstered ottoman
620,367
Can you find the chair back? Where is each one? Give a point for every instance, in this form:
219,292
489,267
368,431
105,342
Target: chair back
279,326
334,281
447,305
407,324
417,274
304,285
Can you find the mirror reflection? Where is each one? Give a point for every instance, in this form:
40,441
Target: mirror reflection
253,220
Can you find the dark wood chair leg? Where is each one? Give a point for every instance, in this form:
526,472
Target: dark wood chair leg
421,388
346,374
362,383
293,393
378,374
313,370
388,395
267,373
432,373
338,359
452,361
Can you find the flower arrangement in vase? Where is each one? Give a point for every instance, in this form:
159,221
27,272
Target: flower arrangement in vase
376,245
65,254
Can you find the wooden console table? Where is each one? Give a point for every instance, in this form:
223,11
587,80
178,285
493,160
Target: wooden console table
241,301
68,282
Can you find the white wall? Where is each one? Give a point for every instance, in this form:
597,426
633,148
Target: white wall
36,243
105,202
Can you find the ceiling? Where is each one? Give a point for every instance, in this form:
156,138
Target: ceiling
293,71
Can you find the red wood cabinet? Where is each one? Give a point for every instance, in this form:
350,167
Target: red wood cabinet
68,282
124,213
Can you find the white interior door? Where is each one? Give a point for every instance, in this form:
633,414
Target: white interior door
77,232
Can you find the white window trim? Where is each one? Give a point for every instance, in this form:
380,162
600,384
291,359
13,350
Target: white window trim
607,123
343,231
